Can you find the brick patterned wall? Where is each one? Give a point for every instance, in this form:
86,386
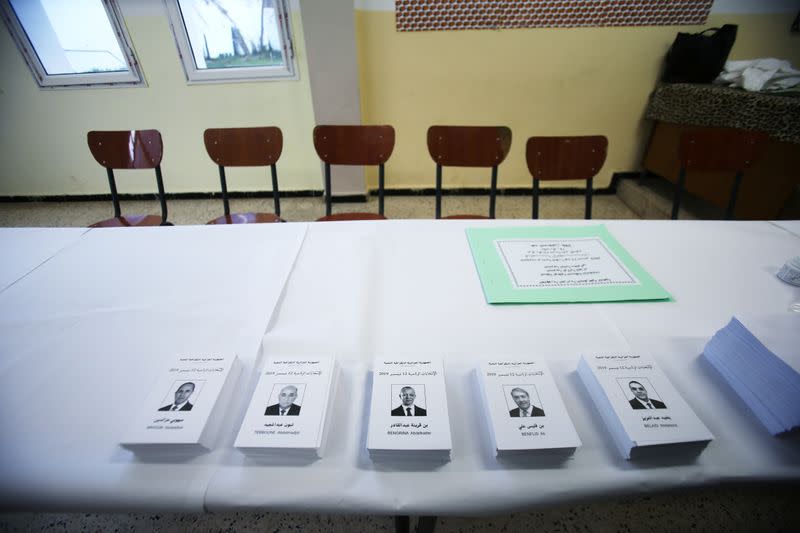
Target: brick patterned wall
434,15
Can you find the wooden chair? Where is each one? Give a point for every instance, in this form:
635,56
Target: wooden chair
565,158
353,145
245,147
468,146
134,149
717,150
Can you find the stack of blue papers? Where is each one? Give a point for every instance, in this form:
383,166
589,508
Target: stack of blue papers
769,387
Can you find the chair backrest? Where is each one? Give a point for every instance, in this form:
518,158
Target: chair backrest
244,147
129,149
565,158
720,149
126,149
353,145
717,150
469,146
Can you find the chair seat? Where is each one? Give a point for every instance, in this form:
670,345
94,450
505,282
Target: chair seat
338,217
128,221
246,218
466,217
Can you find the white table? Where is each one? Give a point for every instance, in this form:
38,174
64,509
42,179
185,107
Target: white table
83,337
25,249
792,226
410,287
76,350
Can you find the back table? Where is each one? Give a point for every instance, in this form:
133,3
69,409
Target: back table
81,334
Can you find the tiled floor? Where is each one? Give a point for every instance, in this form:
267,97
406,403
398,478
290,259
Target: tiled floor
744,508
307,209
732,508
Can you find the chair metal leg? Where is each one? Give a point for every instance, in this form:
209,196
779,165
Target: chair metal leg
161,198
493,193
426,524
588,214
224,186
737,181
276,195
114,198
402,524
438,191
380,188
328,192
535,200
676,202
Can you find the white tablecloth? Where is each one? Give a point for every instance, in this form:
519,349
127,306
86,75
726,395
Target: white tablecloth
81,335
83,338
24,249
792,226
410,287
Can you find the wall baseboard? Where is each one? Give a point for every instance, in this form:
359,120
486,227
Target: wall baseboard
153,196
352,198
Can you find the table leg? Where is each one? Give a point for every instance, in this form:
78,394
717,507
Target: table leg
426,524
401,524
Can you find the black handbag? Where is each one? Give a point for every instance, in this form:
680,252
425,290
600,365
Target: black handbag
699,57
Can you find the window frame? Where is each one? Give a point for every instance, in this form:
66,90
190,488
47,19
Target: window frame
133,77
233,74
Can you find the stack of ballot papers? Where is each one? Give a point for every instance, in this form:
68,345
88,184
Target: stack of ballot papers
524,410
408,417
186,407
769,387
641,409
289,412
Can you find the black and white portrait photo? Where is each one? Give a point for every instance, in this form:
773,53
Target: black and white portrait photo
640,393
409,400
522,401
181,392
285,400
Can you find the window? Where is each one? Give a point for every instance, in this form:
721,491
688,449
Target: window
73,42
232,40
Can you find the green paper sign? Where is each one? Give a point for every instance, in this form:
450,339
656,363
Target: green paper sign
558,264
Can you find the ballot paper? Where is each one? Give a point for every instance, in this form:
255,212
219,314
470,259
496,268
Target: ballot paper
524,410
288,415
408,417
185,408
769,386
558,264
641,409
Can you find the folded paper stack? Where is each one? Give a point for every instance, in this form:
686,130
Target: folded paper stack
186,407
641,409
289,412
524,410
408,418
769,386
